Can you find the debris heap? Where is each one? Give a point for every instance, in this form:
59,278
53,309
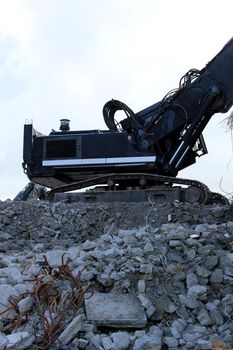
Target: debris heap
116,277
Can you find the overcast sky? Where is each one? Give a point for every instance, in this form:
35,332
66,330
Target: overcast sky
66,58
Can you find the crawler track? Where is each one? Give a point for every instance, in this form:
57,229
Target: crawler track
194,191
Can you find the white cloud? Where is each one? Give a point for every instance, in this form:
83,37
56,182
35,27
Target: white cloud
16,20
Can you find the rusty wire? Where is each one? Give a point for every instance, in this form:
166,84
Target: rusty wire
50,331
51,305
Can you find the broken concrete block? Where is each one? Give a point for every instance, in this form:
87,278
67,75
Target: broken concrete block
14,274
20,340
156,331
145,301
6,291
115,310
165,304
96,341
71,330
106,342
191,280
202,272
150,311
177,327
54,257
25,304
216,276
3,341
148,342
191,303
204,318
204,344
82,343
141,286
120,340
140,333
196,290
170,342
88,245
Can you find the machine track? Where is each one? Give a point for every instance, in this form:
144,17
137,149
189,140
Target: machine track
196,191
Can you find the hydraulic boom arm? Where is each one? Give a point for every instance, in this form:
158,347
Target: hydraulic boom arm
172,128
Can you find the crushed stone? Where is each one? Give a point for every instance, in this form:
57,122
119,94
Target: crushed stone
174,259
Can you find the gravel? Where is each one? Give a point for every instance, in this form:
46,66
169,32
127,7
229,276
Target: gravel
174,259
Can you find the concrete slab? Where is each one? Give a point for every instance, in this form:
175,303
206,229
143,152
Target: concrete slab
115,310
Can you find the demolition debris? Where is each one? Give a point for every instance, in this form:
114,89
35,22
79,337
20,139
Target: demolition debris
115,277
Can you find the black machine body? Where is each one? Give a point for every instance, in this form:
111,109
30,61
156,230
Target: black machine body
161,139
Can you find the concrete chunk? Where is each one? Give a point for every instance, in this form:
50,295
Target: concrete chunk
6,291
106,343
3,341
148,342
54,257
20,340
71,330
115,310
177,327
120,340
170,341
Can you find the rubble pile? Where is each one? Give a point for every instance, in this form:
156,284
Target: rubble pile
116,276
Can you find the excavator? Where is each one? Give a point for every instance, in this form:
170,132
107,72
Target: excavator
141,154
